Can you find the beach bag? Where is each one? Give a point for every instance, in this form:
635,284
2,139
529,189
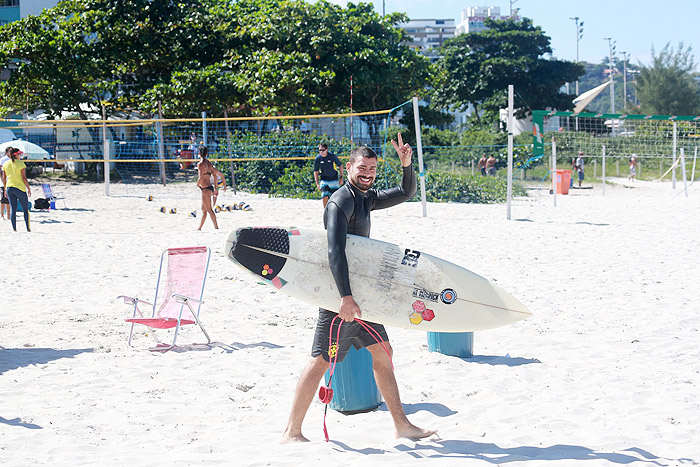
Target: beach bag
41,203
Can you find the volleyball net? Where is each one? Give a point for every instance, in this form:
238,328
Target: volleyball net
272,155
656,146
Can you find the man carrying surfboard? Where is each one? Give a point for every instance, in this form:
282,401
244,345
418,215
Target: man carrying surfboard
348,212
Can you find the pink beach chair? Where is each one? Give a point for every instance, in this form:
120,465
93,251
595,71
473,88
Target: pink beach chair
183,280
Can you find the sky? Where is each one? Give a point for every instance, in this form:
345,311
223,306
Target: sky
634,25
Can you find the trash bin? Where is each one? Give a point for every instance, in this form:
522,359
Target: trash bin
19,206
354,388
456,344
563,181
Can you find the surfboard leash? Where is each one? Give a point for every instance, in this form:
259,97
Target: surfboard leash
325,393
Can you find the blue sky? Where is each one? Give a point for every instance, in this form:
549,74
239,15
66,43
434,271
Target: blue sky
635,25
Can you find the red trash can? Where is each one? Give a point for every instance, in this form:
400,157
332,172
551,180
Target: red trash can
563,181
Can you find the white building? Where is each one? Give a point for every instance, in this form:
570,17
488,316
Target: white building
473,18
13,10
427,35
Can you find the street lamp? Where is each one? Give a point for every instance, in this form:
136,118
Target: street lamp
625,57
611,45
579,35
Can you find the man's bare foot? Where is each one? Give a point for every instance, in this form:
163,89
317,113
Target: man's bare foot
287,438
413,432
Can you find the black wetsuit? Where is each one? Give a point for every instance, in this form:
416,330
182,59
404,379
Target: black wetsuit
348,212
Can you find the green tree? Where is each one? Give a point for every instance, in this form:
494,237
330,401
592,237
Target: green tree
667,86
476,69
248,57
112,51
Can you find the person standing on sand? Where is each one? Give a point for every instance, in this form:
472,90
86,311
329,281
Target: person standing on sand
17,187
482,165
633,167
4,201
328,172
491,166
205,171
579,167
348,212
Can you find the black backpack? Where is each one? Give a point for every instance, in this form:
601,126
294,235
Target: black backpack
41,203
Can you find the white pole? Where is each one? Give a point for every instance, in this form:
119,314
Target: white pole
105,149
510,150
161,147
419,144
554,171
685,184
695,158
673,174
204,128
603,170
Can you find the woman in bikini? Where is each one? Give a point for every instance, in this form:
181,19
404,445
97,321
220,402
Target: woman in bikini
206,173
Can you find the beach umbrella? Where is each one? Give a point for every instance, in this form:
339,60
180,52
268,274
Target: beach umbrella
30,150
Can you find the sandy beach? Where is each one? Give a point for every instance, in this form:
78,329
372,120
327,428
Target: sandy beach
606,372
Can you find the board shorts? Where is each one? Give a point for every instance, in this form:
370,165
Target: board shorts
350,334
328,187
580,175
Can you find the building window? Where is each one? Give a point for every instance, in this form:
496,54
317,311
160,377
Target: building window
9,3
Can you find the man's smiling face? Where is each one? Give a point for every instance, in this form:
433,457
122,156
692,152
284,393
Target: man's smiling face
362,172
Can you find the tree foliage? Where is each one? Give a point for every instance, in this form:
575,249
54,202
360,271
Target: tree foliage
476,69
667,86
247,57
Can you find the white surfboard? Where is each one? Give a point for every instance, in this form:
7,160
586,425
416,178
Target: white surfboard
393,285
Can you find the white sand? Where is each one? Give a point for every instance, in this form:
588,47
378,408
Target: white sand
606,372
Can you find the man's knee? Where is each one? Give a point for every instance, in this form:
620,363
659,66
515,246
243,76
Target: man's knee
381,356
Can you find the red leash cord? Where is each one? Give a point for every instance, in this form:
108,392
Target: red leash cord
325,393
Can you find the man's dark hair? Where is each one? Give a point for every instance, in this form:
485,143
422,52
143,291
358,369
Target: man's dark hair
323,145
361,151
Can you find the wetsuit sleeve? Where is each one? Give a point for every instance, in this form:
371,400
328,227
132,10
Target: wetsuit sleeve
336,219
397,194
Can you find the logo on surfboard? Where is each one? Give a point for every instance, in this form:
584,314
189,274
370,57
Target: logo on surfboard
447,296
410,258
420,313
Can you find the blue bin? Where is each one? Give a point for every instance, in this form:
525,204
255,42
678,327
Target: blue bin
354,388
19,206
456,344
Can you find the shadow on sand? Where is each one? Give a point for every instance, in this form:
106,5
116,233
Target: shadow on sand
11,359
497,455
505,360
460,451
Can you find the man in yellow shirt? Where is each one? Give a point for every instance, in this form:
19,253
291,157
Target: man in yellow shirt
17,187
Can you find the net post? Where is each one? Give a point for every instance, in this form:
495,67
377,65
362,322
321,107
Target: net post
510,151
204,128
695,159
675,143
603,174
685,183
161,147
105,149
553,162
419,144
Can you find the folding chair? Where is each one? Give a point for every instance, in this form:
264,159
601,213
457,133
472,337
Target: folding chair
50,195
184,279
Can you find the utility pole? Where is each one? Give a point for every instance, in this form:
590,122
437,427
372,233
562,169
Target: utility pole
611,45
511,7
625,57
579,35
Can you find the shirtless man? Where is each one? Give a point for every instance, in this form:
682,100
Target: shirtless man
348,211
482,165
